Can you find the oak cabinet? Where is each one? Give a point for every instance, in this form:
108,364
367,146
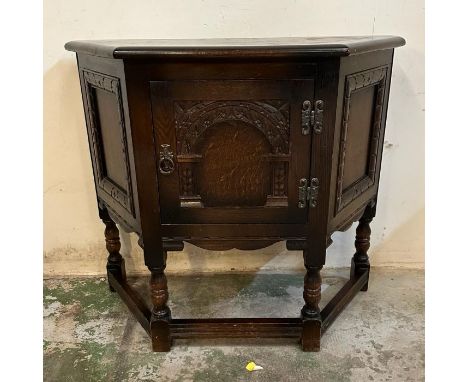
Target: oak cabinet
236,144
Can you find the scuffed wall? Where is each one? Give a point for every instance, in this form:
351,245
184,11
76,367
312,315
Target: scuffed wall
73,234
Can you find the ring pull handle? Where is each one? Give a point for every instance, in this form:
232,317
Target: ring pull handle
166,160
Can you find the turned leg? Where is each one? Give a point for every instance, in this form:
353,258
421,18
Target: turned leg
115,261
160,314
360,262
310,313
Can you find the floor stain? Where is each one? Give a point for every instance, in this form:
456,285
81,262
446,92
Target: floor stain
89,335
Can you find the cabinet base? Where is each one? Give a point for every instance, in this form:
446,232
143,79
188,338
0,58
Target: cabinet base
294,328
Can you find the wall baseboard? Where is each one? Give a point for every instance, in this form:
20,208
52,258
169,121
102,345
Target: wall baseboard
91,261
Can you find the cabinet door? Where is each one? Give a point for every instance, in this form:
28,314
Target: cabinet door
231,151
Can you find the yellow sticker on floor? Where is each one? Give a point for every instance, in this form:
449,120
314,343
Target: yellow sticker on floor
251,366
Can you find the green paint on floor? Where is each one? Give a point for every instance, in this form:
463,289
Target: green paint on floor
89,335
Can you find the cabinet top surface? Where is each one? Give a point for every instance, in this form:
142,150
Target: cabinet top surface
236,47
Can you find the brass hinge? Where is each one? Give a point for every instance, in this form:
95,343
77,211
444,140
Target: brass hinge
308,193
312,118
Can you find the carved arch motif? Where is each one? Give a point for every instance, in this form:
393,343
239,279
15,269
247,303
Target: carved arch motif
270,117
194,118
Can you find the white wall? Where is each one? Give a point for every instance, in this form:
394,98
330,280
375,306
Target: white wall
73,234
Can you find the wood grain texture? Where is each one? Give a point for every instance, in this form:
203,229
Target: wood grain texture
310,313
358,136
271,117
358,194
236,49
115,262
231,115
160,313
361,114
159,294
234,170
233,142
360,262
312,293
108,138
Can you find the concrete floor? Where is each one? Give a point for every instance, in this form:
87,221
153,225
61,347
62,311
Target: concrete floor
89,335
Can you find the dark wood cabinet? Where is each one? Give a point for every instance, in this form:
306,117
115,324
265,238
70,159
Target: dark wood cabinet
237,150
236,144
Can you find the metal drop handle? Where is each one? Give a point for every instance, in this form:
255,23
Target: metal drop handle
166,160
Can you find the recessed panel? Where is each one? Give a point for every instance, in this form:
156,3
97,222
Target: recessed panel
358,135
254,136
111,136
234,170
108,141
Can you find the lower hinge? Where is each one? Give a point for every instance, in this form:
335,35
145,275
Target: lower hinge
308,193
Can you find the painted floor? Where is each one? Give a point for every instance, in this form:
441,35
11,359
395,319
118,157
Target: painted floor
89,335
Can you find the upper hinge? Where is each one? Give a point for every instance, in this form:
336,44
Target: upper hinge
312,117
308,193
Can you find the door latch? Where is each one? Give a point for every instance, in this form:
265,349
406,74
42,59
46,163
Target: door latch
308,193
312,118
166,160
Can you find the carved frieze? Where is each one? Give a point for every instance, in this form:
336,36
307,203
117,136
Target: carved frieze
270,117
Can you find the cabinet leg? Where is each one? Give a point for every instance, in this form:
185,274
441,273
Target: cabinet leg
310,313
160,314
115,262
360,262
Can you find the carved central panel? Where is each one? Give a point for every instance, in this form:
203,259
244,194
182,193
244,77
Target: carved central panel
234,170
232,153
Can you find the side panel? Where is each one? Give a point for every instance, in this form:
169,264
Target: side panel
359,134
109,135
